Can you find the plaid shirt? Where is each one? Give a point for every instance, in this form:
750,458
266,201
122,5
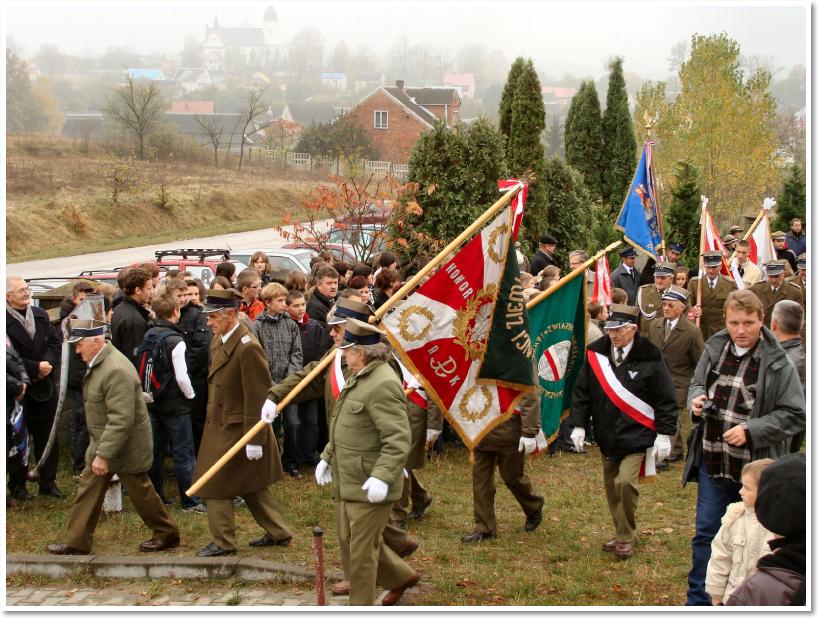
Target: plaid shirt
732,389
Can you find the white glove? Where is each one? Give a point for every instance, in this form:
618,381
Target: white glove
269,411
254,452
377,489
431,436
578,439
542,442
528,445
322,473
662,447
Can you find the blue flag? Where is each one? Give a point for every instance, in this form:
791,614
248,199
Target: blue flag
639,218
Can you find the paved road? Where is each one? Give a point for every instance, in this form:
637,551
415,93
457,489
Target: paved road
69,266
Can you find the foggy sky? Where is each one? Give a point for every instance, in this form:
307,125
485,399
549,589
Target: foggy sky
561,37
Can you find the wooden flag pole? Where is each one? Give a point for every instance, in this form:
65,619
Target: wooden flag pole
571,275
701,258
325,362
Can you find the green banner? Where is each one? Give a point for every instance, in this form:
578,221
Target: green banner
558,326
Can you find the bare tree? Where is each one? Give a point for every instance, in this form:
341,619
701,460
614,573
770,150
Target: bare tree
213,130
253,110
138,107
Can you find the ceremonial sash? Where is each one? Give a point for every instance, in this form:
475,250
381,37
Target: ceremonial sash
620,396
337,378
740,284
412,386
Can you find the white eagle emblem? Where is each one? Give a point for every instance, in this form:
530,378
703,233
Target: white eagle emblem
554,361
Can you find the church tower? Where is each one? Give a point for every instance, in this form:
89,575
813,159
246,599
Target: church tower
271,27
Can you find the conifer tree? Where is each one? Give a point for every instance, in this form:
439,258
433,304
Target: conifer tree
507,99
555,137
619,155
583,137
527,123
791,201
682,222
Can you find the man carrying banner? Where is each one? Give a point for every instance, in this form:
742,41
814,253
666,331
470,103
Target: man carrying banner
625,386
748,270
715,289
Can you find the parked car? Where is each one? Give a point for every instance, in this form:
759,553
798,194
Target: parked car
340,252
287,258
363,241
201,262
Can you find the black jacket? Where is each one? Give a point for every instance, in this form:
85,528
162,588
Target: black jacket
16,377
313,337
645,374
44,346
318,307
172,402
542,260
197,335
620,278
129,323
76,368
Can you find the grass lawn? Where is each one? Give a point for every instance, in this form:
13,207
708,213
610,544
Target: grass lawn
558,564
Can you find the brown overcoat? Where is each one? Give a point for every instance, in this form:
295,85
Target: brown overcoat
238,383
681,351
786,291
713,303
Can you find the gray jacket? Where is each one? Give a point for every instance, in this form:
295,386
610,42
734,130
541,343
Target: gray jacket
779,409
279,336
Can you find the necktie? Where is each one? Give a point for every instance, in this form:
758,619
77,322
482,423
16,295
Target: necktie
741,271
619,356
667,329
631,272
774,289
711,284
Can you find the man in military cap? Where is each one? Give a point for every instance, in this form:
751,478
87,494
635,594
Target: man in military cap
780,244
735,231
238,380
748,271
715,289
544,257
776,288
626,276
626,388
120,442
729,242
800,277
649,297
681,344
368,442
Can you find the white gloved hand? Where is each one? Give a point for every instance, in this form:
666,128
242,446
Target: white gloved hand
528,445
376,488
431,436
254,452
323,473
578,439
269,411
542,442
662,447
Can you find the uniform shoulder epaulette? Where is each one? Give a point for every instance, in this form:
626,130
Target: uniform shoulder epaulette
797,286
245,339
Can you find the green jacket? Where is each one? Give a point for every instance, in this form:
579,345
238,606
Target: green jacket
118,424
368,435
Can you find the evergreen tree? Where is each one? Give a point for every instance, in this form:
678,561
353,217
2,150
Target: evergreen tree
583,137
555,137
619,155
506,101
682,221
527,123
23,108
791,201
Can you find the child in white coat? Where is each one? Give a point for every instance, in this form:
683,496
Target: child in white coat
741,539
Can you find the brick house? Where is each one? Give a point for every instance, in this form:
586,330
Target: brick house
395,116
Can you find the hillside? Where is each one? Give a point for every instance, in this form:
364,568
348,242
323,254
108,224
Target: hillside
60,201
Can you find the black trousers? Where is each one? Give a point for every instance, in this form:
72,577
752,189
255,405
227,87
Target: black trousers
39,418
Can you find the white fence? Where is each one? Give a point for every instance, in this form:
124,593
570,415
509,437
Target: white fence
336,166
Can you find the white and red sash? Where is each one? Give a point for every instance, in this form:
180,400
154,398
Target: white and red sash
414,391
337,378
620,396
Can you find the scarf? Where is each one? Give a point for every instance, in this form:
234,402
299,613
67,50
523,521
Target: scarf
27,321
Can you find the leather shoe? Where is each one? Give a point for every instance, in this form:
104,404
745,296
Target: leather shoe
295,473
267,540
51,490
478,536
22,494
662,466
394,595
64,549
533,521
155,544
610,546
409,548
341,588
417,512
623,550
212,550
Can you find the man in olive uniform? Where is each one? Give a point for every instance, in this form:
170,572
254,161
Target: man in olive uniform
681,344
649,297
120,442
626,276
776,288
780,244
368,443
799,279
238,380
715,289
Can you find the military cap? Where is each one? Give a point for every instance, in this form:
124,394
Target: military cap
800,261
778,235
80,329
712,258
547,238
349,309
664,268
628,251
735,228
219,299
620,316
677,248
676,293
359,333
774,267
728,239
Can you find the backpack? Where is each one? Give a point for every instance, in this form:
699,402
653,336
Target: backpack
154,364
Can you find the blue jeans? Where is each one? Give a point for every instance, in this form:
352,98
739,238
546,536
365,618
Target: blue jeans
177,429
309,432
712,498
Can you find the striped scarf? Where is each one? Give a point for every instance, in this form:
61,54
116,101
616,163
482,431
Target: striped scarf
27,321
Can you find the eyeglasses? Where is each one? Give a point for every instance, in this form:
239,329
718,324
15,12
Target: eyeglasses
21,290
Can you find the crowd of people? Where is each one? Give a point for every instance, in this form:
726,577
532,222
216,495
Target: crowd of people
176,370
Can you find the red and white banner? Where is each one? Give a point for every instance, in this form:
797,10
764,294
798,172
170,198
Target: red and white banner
712,241
602,283
518,201
337,378
759,236
413,389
